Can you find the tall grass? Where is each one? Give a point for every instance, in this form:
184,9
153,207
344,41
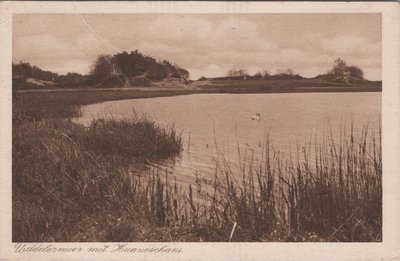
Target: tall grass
330,190
68,180
338,195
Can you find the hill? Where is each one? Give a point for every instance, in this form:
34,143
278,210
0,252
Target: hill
344,74
133,69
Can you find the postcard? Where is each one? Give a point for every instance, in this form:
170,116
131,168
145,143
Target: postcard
199,131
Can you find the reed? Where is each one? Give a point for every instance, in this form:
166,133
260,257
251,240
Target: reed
338,195
330,190
75,183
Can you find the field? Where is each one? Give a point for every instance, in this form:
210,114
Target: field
72,183
277,86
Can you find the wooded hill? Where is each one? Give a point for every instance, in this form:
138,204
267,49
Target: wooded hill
118,70
130,69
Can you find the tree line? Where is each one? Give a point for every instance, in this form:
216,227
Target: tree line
124,69
340,72
23,71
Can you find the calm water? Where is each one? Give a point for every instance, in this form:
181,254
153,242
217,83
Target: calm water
222,122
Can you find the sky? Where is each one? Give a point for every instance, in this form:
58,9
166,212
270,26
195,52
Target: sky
205,44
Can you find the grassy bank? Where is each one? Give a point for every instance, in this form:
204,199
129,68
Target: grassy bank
285,86
72,183
65,104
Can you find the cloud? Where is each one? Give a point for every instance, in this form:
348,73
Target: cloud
205,44
179,28
211,70
64,67
60,55
350,45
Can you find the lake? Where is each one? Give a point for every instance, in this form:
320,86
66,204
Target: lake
213,125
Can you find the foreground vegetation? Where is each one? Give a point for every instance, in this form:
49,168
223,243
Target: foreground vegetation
72,183
76,183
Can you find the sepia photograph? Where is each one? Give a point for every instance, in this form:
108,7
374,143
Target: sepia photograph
196,127
202,131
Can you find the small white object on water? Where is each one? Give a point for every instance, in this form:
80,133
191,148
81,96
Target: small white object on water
256,117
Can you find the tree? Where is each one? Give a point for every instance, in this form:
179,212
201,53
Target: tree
235,73
258,75
231,73
266,74
356,72
102,67
339,69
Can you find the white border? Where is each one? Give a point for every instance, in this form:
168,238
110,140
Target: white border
387,250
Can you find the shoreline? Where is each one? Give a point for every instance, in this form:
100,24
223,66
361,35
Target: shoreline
214,89
91,96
